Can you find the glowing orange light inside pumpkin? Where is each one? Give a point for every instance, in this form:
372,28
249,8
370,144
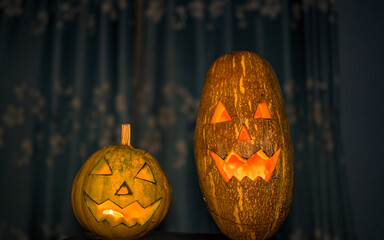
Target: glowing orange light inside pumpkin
101,168
262,111
130,215
145,173
113,213
259,165
221,114
244,135
124,190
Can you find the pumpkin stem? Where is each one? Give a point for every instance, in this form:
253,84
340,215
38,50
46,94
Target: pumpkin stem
126,134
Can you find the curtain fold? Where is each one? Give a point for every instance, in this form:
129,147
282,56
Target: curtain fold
73,71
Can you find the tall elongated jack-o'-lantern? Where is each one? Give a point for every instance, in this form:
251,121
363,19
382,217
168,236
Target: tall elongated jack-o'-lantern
121,192
243,150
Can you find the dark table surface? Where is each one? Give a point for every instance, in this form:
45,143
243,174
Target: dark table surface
156,235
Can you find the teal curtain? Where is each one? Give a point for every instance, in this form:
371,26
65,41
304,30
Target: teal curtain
73,71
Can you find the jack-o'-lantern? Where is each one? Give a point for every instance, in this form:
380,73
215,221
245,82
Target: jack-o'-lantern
121,192
243,150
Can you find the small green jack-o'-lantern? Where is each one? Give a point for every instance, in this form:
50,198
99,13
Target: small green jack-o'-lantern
121,192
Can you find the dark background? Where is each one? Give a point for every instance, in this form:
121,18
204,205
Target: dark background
361,38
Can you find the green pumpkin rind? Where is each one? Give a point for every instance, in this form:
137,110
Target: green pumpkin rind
247,209
125,161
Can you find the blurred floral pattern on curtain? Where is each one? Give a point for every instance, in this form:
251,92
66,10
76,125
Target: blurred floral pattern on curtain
73,71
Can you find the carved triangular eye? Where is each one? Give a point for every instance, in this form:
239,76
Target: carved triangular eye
101,168
146,174
262,111
221,114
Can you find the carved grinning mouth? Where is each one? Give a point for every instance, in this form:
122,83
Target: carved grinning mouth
130,215
258,165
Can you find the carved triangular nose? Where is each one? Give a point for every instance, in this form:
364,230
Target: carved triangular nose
244,135
124,190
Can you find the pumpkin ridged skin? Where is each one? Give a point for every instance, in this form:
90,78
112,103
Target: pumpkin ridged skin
125,162
247,209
